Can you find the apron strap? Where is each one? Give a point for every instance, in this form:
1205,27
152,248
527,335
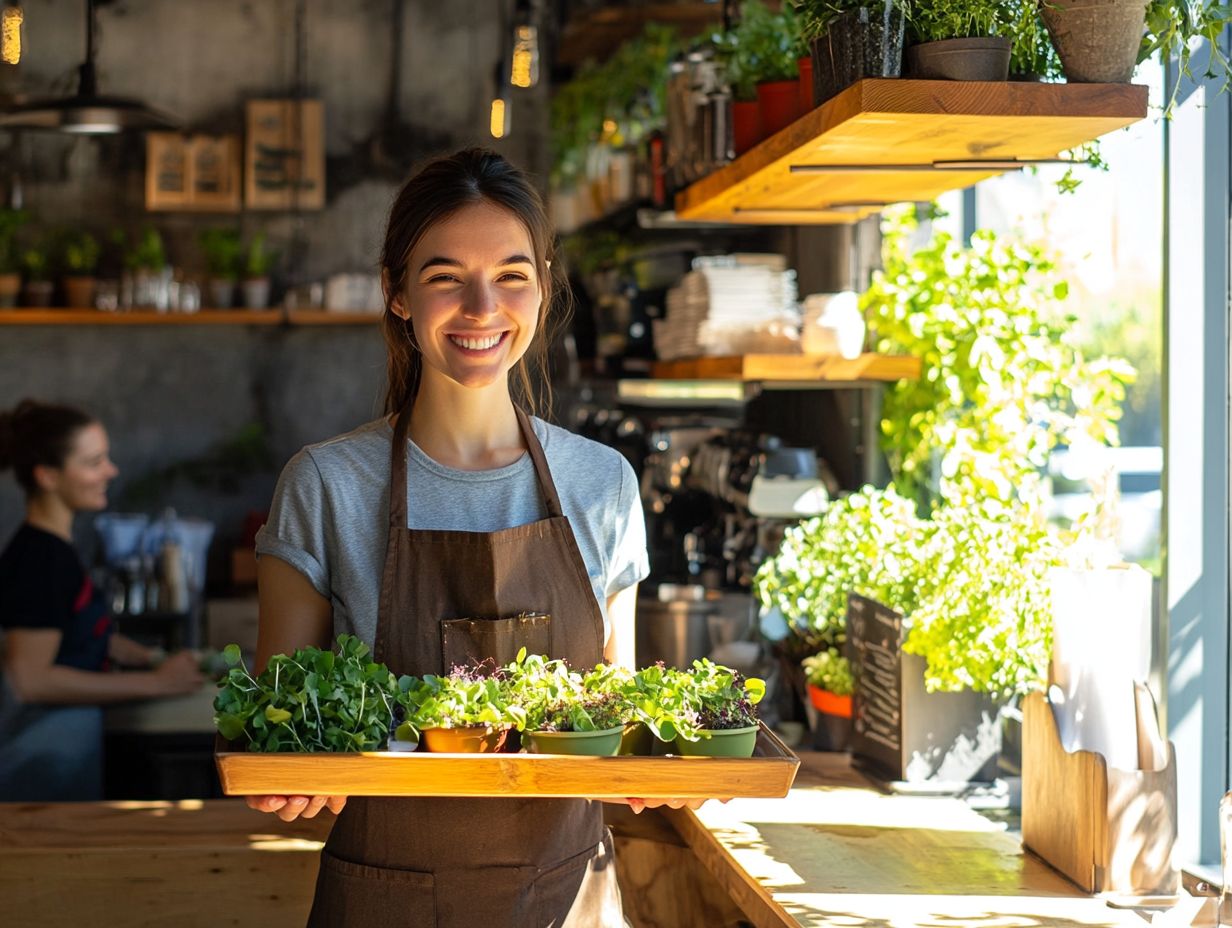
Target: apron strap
400,452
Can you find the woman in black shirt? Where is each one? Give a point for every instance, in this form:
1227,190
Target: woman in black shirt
58,640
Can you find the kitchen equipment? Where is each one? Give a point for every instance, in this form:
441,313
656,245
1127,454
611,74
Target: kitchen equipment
673,625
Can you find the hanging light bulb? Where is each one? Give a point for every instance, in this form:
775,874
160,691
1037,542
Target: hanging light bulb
10,34
499,115
524,71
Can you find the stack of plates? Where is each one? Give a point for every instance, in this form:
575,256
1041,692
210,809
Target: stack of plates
734,304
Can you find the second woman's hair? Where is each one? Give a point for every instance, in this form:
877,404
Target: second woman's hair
35,434
441,188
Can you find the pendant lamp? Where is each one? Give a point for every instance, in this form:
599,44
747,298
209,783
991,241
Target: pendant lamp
87,112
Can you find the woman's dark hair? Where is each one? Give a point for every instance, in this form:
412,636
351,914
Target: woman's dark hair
437,191
35,434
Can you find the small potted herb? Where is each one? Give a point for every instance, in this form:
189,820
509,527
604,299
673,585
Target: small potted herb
79,254
222,261
466,712
583,723
740,72
851,40
257,263
151,277
36,267
830,686
722,704
625,685
960,40
773,40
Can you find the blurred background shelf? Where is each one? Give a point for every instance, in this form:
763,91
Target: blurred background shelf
203,317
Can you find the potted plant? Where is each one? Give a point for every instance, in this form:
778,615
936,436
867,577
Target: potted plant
1032,54
146,261
960,40
257,263
772,40
828,674
36,267
739,69
10,277
581,723
79,254
222,261
850,40
465,712
722,705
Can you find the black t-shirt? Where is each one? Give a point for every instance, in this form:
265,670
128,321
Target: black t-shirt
44,585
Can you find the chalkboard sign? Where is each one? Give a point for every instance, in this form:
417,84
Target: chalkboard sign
899,730
874,638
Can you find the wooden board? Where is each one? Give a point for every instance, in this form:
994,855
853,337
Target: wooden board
895,122
284,155
791,367
769,773
192,173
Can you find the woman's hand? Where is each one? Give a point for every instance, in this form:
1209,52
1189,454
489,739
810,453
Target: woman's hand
179,674
289,808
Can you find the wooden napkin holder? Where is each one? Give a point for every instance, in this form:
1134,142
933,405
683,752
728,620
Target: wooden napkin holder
1107,830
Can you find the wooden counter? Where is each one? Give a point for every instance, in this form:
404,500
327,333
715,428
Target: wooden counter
839,853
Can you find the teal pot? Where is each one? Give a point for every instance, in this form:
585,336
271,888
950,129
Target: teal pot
603,743
476,739
1096,40
732,742
867,42
982,59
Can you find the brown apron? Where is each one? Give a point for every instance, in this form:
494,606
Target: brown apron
448,596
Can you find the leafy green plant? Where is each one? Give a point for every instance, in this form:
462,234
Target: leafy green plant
720,698
589,712
312,700
816,16
35,262
257,258
763,47
1031,51
147,253
933,20
1004,381
222,252
79,252
464,698
830,671
10,221
1174,28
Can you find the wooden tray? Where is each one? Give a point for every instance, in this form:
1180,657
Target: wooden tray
769,773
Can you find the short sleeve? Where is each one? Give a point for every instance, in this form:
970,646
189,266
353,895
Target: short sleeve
630,563
295,531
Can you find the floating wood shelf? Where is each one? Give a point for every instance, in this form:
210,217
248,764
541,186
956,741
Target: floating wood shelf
885,141
80,317
792,367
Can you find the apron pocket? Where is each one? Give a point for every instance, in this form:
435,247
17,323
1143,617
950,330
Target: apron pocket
466,640
349,894
582,891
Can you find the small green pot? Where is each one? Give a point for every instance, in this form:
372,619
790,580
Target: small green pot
636,739
732,742
585,743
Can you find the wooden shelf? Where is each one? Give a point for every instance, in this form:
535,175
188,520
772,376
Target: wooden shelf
883,139
792,368
266,317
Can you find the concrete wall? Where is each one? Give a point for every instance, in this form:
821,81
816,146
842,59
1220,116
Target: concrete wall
169,394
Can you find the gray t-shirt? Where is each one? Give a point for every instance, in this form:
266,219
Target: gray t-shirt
331,507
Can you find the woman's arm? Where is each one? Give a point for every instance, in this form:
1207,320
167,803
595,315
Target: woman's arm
621,612
129,653
291,614
32,671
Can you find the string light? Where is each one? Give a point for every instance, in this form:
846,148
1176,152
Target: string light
10,34
498,123
525,70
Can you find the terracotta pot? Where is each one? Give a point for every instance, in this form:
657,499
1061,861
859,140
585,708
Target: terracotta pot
746,125
986,59
477,739
38,293
805,83
79,292
1097,40
829,703
778,104
605,743
867,42
734,742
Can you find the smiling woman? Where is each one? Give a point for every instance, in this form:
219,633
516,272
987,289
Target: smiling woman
458,527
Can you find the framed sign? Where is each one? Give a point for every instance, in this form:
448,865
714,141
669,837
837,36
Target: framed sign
284,157
192,173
